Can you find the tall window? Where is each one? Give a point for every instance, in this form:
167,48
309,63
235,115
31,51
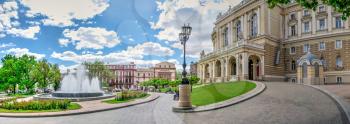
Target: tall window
225,37
307,26
238,30
254,25
321,8
322,24
338,44
322,46
306,12
293,30
292,50
293,65
338,22
306,48
339,62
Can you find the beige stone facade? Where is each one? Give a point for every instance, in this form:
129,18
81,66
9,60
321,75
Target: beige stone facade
164,70
251,41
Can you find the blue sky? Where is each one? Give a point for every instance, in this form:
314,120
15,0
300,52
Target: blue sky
114,31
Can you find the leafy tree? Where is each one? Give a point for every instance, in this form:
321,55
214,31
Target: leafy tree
100,70
194,79
55,76
341,6
41,74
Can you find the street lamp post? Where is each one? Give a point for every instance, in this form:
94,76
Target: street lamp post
185,87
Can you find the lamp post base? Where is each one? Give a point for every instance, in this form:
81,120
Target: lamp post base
184,98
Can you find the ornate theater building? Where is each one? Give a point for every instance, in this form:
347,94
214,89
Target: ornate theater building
286,43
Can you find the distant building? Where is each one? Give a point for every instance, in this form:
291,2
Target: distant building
193,68
144,74
124,75
164,70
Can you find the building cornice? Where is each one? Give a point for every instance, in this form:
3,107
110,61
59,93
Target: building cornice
315,37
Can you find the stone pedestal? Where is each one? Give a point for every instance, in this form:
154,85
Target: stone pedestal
184,98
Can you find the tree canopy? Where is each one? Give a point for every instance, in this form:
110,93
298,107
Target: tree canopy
26,72
341,6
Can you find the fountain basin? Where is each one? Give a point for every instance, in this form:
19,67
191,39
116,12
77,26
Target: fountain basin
74,98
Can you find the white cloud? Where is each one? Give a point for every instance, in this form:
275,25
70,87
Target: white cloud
5,45
63,12
64,42
131,54
89,37
9,22
200,14
25,33
22,51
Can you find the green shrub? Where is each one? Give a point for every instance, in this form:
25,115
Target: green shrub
126,95
36,105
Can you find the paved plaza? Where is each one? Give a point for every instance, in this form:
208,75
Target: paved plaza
280,103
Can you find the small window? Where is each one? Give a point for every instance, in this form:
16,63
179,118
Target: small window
322,24
338,22
306,48
321,8
292,16
292,50
338,44
307,26
322,46
293,65
306,12
293,30
339,80
293,80
339,62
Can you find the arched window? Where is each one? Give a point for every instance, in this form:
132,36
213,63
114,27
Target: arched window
317,70
304,70
339,62
254,25
238,30
293,65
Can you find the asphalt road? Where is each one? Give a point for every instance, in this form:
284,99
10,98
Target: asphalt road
280,103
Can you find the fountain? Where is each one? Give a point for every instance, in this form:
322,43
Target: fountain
78,86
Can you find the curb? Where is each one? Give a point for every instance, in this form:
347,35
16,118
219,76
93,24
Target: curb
341,104
260,87
36,115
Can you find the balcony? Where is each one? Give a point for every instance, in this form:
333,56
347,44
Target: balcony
233,47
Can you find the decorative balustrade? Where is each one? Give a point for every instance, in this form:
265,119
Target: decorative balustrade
232,47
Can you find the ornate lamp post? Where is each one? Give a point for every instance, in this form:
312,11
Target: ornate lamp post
185,87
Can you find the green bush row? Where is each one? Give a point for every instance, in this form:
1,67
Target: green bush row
126,95
36,105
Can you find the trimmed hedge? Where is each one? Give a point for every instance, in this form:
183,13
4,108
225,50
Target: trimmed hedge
126,95
36,105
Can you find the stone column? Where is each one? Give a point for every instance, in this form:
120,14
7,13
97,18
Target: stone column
313,22
254,69
223,69
227,69
213,70
329,18
262,67
245,65
245,26
258,20
299,23
238,73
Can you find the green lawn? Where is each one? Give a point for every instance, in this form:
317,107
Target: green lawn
217,92
114,101
72,106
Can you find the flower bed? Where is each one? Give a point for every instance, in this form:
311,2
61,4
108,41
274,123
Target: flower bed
37,106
